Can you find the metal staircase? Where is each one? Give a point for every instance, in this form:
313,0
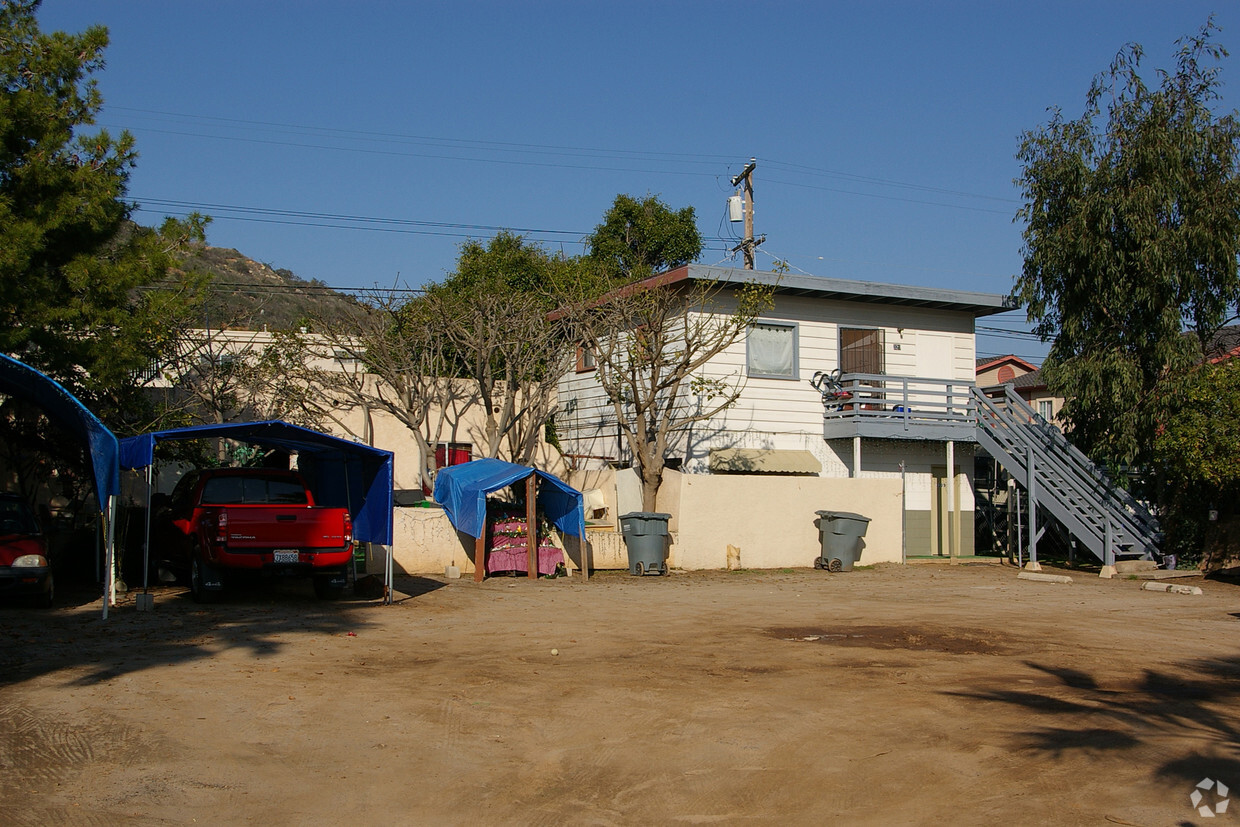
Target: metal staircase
1101,516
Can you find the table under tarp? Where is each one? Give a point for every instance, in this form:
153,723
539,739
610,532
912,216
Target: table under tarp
462,492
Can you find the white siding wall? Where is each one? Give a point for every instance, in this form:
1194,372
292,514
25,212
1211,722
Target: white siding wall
782,413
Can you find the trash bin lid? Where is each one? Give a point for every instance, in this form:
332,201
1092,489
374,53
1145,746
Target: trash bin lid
646,515
841,515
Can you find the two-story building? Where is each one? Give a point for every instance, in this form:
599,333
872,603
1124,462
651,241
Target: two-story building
905,359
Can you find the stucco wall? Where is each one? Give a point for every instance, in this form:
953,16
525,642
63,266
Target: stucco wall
424,542
772,519
769,518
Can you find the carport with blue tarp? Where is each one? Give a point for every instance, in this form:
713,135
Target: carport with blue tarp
21,381
462,492
340,473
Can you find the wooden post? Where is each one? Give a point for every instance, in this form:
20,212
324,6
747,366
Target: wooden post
531,524
480,556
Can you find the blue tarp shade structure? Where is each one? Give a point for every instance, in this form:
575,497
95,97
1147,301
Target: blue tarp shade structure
462,491
19,380
342,474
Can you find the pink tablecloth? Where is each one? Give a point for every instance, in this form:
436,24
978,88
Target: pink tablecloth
514,557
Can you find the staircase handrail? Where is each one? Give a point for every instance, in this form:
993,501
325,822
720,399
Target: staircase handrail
1086,481
1055,438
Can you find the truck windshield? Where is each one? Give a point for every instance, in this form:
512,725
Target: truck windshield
252,491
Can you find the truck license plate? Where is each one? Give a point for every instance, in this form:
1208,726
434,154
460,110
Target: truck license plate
286,557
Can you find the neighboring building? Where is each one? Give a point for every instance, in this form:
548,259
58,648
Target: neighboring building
1025,379
1224,345
455,434
909,354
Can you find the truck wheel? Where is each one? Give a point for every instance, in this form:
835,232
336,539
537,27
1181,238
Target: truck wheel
329,586
196,589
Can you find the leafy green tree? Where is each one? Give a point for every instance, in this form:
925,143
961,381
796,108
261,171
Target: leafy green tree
1197,452
85,295
1132,230
639,238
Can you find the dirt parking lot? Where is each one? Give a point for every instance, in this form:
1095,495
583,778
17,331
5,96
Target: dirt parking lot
925,694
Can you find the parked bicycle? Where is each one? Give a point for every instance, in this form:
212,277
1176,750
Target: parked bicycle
830,385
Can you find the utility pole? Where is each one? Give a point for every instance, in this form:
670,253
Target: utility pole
748,243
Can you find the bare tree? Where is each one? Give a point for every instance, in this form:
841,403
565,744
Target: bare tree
652,342
390,359
513,354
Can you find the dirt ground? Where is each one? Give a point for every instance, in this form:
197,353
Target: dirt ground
924,694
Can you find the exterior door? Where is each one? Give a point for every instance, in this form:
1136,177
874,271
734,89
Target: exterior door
940,519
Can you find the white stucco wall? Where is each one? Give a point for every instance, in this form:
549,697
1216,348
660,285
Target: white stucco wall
771,519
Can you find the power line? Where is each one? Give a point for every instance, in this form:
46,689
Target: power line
471,143
1009,332
887,197
273,215
429,156
465,144
342,217
866,179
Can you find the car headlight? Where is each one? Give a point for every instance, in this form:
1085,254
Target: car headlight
30,561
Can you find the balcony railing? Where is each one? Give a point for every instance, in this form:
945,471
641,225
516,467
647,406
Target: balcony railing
898,407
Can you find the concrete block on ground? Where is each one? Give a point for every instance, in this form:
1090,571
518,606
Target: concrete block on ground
1044,578
1172,588
1134,566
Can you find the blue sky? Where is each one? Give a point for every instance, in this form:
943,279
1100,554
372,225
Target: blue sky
361,143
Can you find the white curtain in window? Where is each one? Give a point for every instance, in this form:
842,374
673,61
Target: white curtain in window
770,350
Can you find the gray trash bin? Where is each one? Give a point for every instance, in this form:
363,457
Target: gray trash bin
841,539
645,539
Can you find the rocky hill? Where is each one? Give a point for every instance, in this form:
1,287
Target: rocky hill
246,294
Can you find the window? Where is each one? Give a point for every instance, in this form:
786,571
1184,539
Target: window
449,453
861,350
1046,409
585,359
239,490
452,453
771,350
345,358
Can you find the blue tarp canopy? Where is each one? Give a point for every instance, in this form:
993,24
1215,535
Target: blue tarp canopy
342,474
21,381
462,491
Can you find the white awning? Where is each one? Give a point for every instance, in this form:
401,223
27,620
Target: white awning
763,461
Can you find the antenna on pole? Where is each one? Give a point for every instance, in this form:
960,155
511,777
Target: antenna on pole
748,243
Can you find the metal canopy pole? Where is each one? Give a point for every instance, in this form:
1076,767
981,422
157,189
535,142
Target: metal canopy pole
109,554
388,576
146,546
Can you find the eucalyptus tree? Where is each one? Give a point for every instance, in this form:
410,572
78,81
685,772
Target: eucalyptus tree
1131,237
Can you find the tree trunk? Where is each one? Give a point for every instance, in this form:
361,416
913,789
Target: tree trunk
652,478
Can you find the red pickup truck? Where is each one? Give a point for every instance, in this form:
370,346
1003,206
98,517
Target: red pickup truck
223,521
